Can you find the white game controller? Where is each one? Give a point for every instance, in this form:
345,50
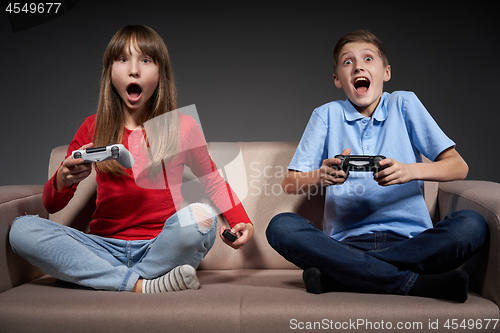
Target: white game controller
117,152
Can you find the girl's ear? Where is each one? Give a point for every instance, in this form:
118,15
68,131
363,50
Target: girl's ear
337,81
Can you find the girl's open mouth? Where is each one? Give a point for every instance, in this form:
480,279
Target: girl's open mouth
361,84
134,92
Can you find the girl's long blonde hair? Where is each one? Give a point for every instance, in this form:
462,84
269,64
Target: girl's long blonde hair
110,119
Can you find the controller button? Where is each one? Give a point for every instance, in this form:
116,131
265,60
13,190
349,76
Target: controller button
115,152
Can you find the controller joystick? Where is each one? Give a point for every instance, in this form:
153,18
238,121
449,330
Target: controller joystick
115,152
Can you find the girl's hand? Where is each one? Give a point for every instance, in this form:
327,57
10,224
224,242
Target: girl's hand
244,232
73,171
394,173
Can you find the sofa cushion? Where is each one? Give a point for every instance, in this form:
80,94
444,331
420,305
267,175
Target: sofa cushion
229,301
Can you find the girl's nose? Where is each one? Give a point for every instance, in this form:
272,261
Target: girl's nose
134,70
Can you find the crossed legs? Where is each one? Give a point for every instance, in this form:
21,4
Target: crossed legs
394,266
115,264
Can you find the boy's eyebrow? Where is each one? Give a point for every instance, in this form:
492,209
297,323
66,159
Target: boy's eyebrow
343,54
367,49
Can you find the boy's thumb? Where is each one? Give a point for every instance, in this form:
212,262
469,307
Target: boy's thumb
346,152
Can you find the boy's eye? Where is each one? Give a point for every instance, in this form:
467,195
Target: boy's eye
368,58
347,62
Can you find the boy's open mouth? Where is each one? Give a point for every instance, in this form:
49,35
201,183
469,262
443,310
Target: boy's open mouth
361,84
134,92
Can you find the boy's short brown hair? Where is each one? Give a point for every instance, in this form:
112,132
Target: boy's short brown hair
359,36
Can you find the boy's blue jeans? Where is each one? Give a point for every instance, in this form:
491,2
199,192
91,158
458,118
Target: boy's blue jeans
380,262
108,263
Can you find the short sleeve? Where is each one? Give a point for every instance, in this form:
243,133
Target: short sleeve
425,134
312,148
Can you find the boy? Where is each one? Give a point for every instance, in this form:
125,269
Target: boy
378,235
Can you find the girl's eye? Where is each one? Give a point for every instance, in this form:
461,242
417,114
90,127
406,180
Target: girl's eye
147,61
122,59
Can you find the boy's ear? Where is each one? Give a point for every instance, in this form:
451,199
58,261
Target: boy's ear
337,81
387,74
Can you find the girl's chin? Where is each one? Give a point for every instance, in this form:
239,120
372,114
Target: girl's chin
132,107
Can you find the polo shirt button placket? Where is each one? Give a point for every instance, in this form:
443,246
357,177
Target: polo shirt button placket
366,135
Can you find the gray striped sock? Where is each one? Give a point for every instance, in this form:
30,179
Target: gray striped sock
180,278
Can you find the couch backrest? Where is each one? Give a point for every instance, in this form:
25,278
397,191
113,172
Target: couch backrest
255,171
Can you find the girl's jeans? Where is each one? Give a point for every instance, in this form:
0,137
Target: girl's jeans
380,262
109,263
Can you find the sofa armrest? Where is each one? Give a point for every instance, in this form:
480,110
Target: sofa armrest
16,201
484,198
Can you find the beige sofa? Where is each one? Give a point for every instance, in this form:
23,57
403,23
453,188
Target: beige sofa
247,290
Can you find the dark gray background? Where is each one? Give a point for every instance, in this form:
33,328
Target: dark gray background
254,70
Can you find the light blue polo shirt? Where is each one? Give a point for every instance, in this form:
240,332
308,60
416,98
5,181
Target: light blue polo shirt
400,128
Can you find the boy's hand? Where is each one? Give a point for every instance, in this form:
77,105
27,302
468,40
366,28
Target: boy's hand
244,232
329,175
73,171
296,182
394,173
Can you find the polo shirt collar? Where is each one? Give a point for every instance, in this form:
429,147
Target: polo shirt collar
380,114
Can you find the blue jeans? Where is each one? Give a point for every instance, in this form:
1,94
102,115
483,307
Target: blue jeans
108,263
380,262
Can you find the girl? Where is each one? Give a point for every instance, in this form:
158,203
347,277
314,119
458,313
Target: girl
140,239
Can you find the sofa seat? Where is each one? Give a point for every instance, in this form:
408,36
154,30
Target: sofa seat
242,300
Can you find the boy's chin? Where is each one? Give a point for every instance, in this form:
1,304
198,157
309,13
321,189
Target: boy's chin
360,103
364,100
363,106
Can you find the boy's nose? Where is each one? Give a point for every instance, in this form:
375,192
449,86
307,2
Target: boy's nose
358,69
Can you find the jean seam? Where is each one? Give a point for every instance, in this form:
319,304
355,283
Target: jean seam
126,281
409,284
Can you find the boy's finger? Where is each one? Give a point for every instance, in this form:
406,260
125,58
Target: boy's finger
346,151
331,161
386,162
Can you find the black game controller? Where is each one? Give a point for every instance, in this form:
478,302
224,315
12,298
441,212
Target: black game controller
229,235
360,163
